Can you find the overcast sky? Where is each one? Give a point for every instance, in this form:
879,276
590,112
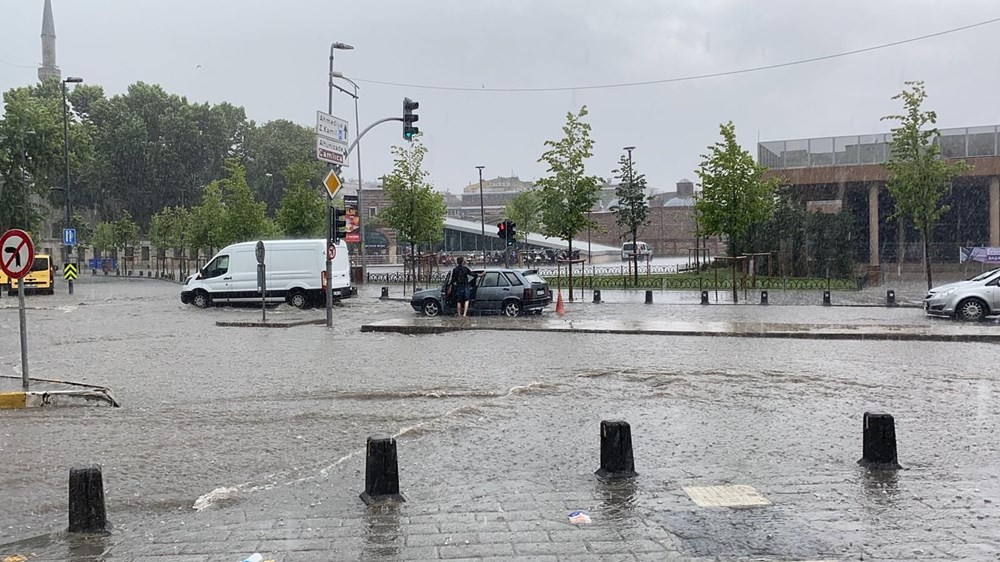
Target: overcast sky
271,57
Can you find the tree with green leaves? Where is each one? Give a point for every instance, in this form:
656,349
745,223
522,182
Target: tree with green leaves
524,209
104,237
918,177
735,196
303,205
632,210
270,149
568,193
125,235
206,228
168,229
245,217
415,211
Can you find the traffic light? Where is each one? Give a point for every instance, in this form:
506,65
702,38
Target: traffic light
339,225
502,231
511,232
409,118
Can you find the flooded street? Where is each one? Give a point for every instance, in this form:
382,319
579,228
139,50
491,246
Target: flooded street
494,422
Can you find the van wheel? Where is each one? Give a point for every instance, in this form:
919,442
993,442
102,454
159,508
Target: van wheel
432,307
512,308
201,299
298,299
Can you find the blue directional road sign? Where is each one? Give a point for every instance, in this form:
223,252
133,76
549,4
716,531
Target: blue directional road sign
69,237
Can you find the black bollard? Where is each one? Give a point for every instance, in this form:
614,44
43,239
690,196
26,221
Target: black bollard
763,297
649,297
616,450
86,500
597,296
381,471
890,298
704,297
879,449
385,293
826,298
93,271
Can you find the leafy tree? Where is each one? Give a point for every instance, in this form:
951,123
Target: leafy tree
270,149
301,214
104,237
735,196
918,177
206,228
632,209
415,211
245,218
524,210
125,234
169,227
568,193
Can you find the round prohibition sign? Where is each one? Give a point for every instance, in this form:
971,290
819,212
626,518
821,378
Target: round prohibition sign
331,252
16,253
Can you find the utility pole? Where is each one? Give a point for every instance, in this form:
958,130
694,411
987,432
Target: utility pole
482,212
329,202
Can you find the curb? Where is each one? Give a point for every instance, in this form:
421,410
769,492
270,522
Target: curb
270,324
41,399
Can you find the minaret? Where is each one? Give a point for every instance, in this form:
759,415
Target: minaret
48,68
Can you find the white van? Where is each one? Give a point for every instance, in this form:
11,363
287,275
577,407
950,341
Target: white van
640,248
296,270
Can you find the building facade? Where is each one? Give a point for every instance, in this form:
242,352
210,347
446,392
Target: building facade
848,174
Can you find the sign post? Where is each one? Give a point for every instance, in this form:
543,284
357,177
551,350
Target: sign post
17,253
261,279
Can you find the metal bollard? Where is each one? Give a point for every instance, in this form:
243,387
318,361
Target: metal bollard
616,450
826,298
597,296
385,293
890,298
381,471
763,297
86,500
879,448
649,297
704,297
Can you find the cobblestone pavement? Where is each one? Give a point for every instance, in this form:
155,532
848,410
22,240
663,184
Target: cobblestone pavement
498,439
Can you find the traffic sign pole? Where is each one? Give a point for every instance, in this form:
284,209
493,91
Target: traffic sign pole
17,253
24,337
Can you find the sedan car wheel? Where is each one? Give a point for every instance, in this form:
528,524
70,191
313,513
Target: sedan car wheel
511,308
432,307
971,310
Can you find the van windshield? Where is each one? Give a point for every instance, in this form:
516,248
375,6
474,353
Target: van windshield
40,264
628,247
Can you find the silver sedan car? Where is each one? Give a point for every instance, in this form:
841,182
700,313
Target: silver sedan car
971,300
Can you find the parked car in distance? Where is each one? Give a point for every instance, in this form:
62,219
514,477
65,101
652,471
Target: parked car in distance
511,292
971,300
641,248
41,278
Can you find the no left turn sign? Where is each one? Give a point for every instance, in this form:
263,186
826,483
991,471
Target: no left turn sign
16,253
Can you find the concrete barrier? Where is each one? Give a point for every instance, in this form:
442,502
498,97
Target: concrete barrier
43,399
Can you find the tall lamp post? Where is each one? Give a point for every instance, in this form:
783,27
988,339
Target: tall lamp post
635,249
482,212
329,218
67,249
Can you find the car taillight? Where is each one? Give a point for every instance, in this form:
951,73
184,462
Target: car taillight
526,294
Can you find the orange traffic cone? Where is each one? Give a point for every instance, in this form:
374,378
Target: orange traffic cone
560,307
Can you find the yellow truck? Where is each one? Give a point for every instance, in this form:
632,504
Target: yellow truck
41,278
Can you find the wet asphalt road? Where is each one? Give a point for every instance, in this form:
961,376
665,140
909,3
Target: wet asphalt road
207,407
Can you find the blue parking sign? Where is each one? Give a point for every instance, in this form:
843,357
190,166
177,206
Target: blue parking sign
69,237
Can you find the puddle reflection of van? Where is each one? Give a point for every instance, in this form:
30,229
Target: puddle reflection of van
39,280
643,250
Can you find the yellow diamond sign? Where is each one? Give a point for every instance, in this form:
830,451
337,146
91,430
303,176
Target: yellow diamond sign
332,184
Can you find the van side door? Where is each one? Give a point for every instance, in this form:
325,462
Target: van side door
217,279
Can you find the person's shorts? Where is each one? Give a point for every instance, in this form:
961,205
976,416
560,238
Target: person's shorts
463,294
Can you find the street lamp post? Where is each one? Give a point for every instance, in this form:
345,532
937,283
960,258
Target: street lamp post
329,217
67,249
635,248
482,213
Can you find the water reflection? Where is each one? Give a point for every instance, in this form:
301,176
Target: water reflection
619,499
383,538
881,487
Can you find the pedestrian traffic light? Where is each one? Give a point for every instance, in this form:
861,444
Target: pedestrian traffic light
339,225
511,232
502,231
409,118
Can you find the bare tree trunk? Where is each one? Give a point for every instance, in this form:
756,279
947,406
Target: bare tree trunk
635,252
570,241
735,293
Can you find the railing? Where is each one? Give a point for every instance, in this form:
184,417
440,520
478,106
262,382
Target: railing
967,142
